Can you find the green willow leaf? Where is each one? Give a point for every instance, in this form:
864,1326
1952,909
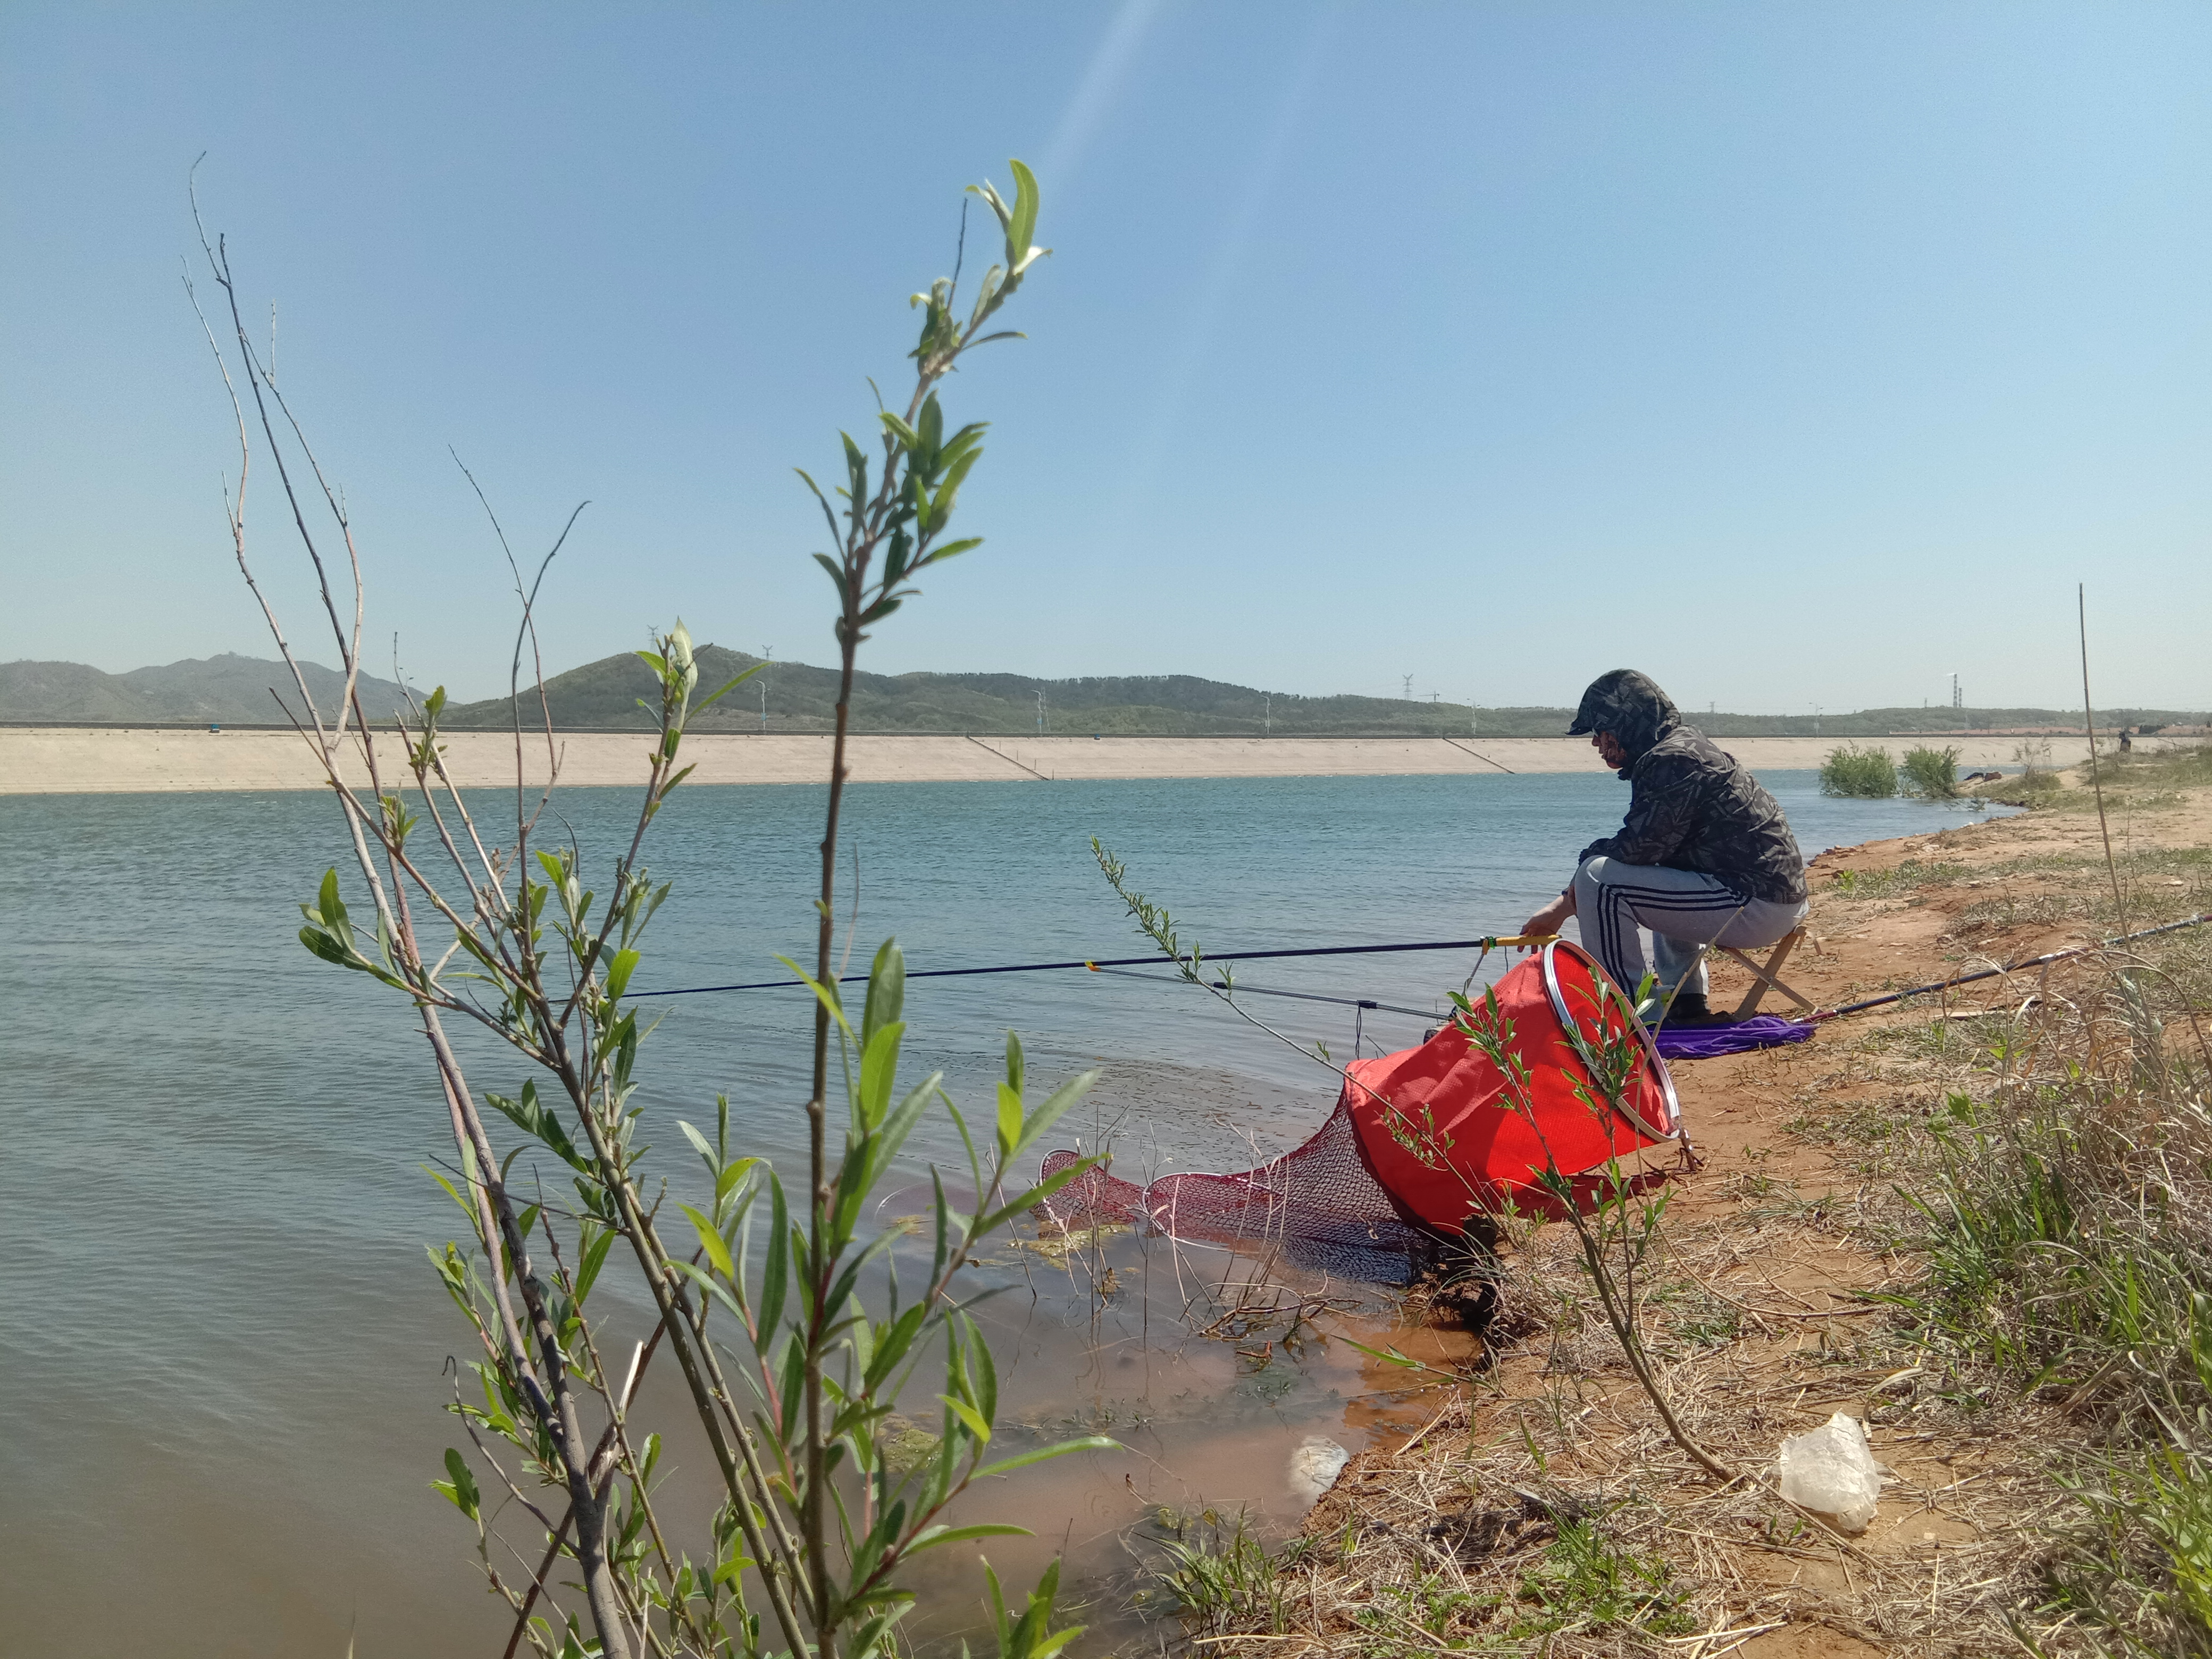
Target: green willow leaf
1041,1454
931,1537
711,1241
1024,225
969,1416
618,972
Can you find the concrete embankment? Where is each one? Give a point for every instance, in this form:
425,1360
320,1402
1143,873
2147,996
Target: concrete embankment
75,760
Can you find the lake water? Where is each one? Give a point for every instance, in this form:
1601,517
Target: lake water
221,1348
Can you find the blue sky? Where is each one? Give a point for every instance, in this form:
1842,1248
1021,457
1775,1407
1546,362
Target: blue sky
1795,354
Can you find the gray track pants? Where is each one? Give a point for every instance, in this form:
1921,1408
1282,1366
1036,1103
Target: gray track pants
1683,909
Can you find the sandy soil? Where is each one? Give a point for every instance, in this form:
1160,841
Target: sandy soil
60,760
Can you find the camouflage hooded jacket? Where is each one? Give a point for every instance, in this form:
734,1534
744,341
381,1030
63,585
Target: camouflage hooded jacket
1694,808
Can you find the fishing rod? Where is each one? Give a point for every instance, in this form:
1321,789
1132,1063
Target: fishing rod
2043,961
1260,991
1491,942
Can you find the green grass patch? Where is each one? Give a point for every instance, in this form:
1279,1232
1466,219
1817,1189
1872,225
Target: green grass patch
2162,885
2034,788
2139,781
1688,1315
1589,1581
2141,1561
2009,910
2063,1211
1220,1578
1902,878
1394,1625
2183,768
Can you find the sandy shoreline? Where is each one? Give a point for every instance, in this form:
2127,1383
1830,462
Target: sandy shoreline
69,760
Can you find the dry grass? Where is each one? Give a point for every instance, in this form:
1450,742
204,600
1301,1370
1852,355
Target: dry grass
1549,1512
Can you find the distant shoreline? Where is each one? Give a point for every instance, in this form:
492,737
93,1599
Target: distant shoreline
1026,735
132,760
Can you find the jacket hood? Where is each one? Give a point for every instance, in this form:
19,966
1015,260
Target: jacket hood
1631,707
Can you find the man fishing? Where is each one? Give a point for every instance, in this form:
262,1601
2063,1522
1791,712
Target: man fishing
1705,858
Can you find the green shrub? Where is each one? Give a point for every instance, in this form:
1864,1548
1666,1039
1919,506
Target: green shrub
1850,770
1932,773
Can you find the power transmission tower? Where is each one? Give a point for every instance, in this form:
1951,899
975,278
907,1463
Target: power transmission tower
768,654
1267,715
1409,688
1040,711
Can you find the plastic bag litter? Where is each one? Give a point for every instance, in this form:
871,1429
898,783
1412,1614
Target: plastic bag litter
1315,1466
1830,1471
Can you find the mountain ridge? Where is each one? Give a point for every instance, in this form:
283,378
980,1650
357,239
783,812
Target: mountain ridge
604,696
194,690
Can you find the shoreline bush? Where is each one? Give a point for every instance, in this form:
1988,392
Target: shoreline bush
1865,774
1931,774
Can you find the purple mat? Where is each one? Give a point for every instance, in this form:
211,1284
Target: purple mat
1711,1041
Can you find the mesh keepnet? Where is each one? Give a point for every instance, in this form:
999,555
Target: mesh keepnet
1318,1204
1420,1141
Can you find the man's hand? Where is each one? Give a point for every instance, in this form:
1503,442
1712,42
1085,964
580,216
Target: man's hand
1551,917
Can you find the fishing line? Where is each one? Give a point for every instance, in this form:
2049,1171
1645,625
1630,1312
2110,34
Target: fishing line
1490,943
1115,965
1234,989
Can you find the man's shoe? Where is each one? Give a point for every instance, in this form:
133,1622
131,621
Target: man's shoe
1690,1008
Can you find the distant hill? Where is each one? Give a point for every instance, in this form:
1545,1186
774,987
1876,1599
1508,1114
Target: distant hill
604,696
228,689
67,692
800,697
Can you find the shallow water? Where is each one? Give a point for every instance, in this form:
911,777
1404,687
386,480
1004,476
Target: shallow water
220,1349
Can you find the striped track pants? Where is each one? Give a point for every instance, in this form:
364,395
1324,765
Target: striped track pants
1684,910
